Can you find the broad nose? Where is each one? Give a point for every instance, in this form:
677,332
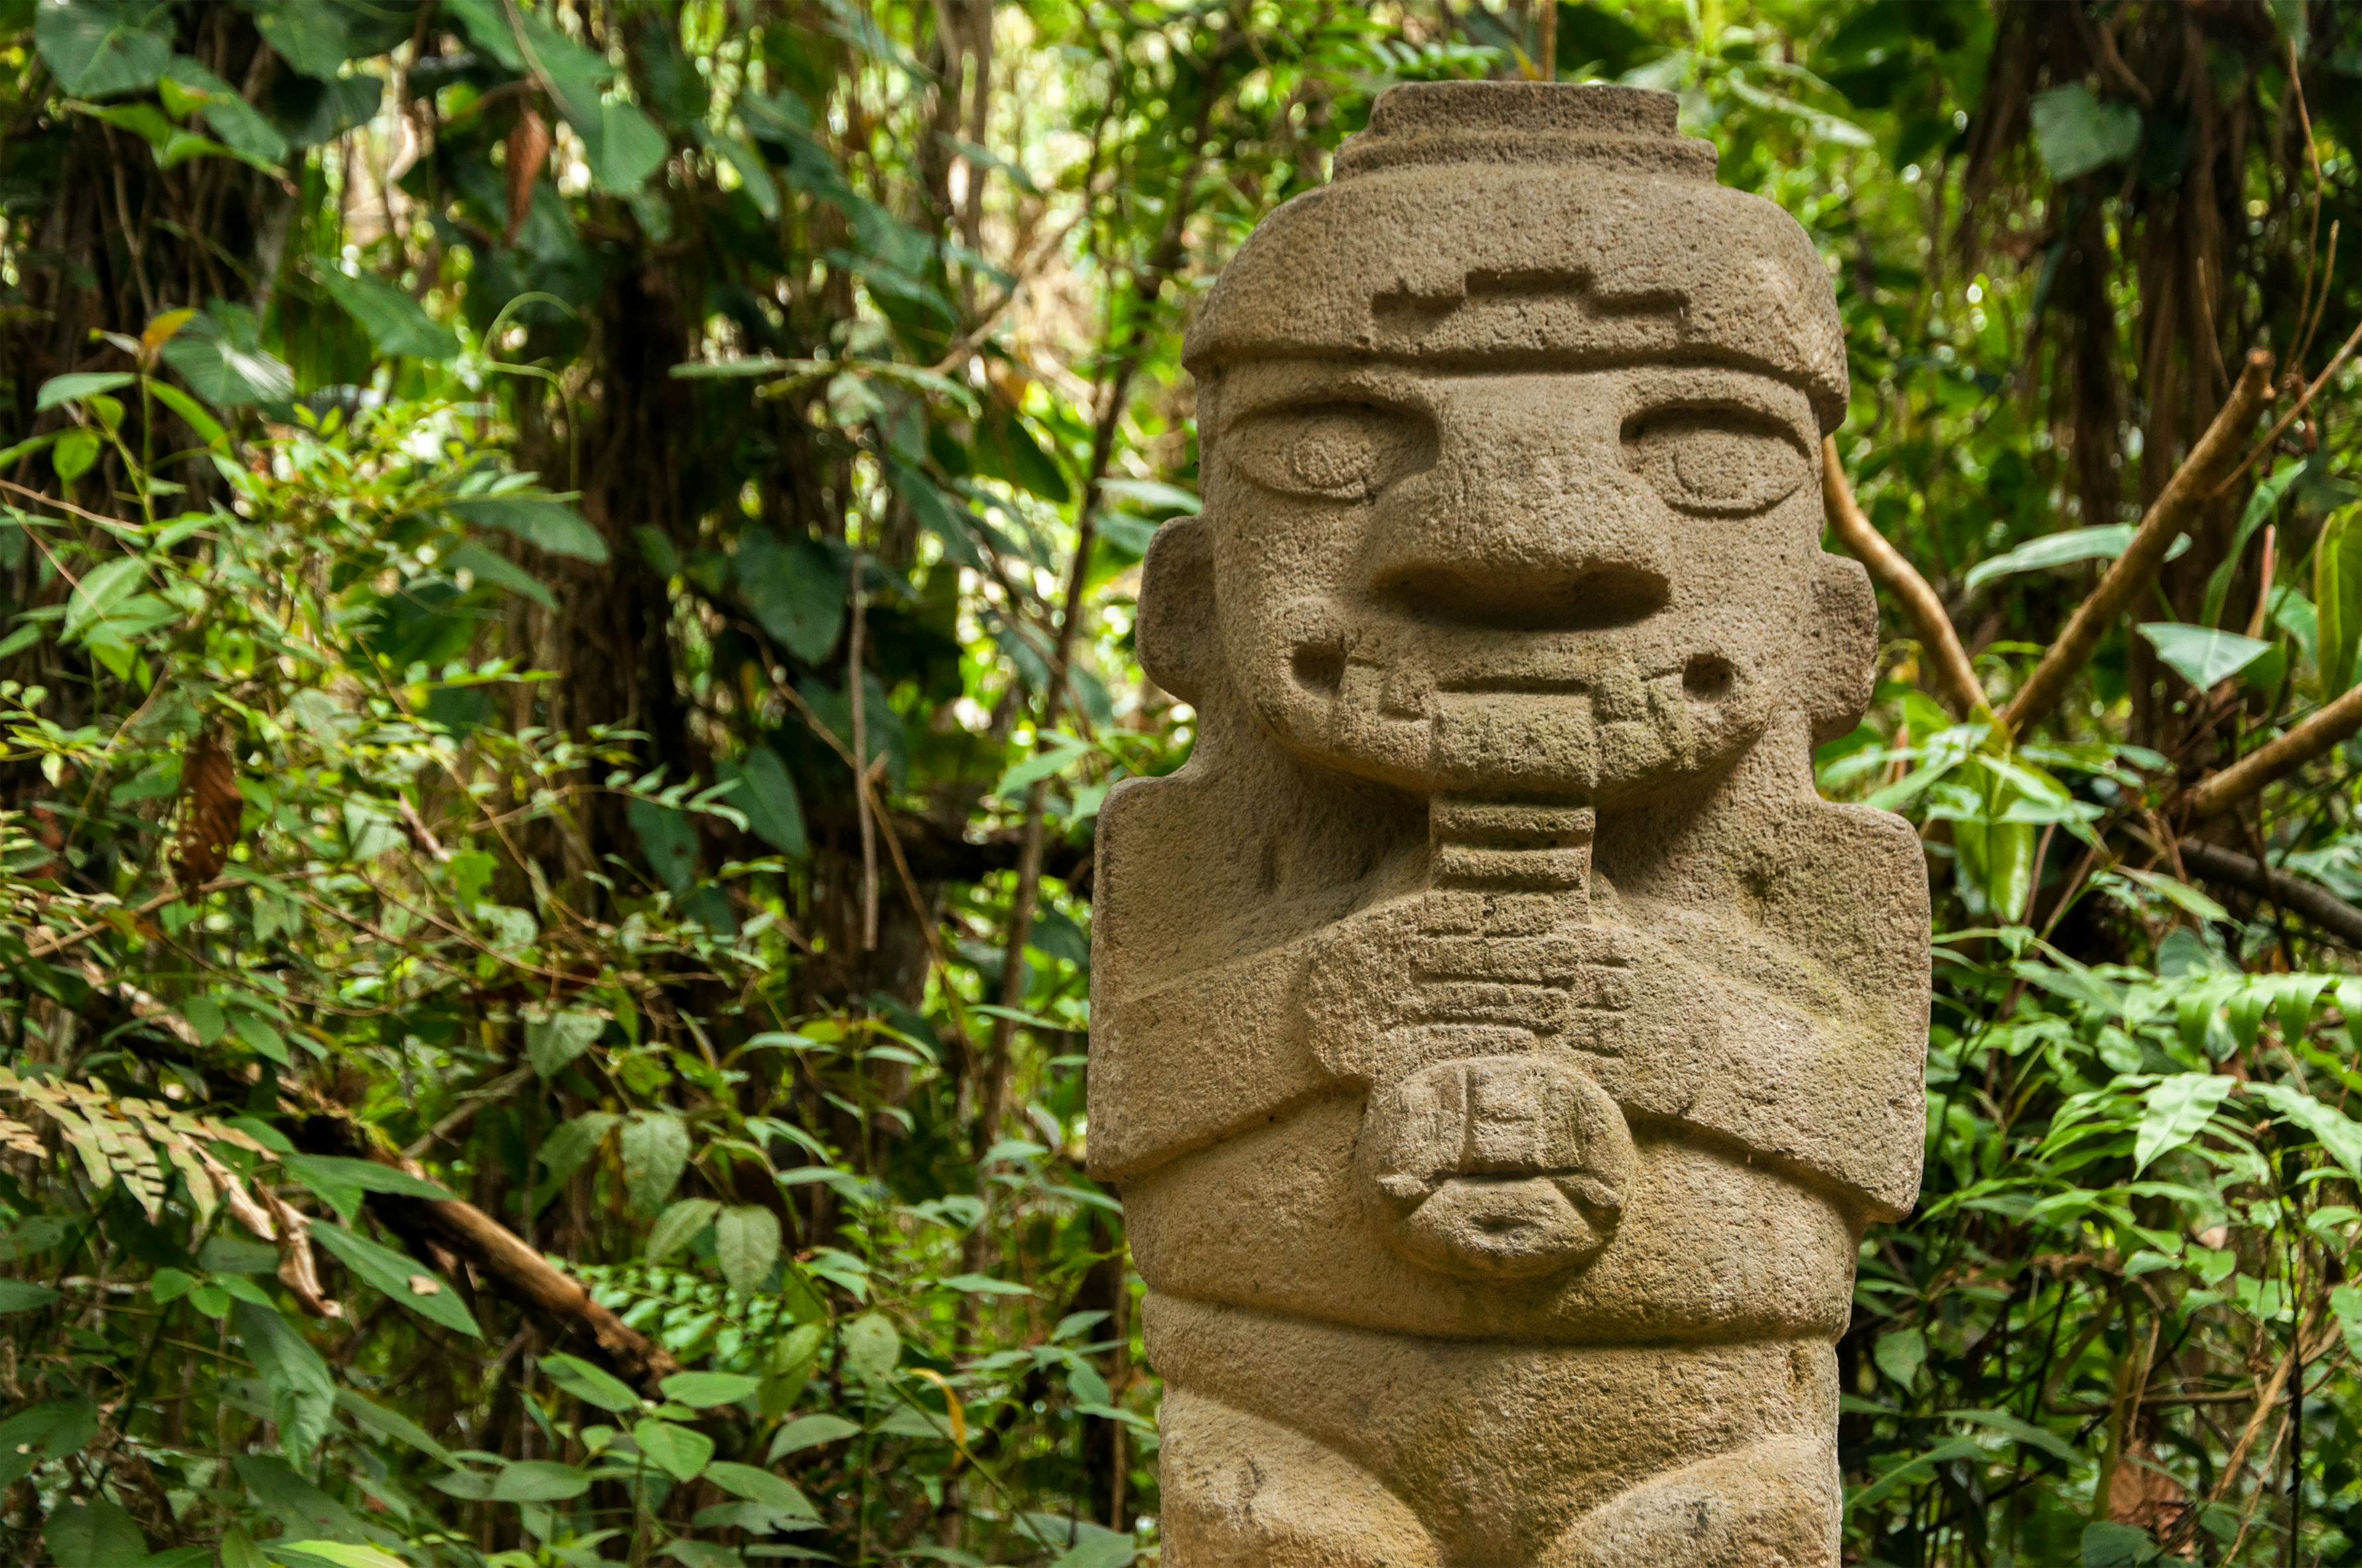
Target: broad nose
1522,530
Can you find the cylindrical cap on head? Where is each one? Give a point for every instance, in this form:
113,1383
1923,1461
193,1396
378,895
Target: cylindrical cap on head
1492,223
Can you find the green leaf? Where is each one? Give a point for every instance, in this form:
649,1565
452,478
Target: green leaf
2333,1129
679,1225
2104,543
24,1296
773,1492
2346,1303
809,1432
796,591
542,521
102,589
625,147
309,34
2264,500
767,796
656,1151
984,1284
2109,1545
550,1043
75,451
485,566
2200,654
681,1452
2075,132
395,322
93,1535
220,355
1900,1354
568,1148
388,1423
872,1346
240,124
412,1284
2338,598
209,429
746,1243
341,1181
342,1554
2178,1108
100,48
589,1384
538,1481
669,841
303,1394
703,1390
80,384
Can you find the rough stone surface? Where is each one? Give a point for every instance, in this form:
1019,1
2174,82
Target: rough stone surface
1499,1044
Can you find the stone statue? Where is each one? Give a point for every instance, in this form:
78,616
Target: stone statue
1498,1044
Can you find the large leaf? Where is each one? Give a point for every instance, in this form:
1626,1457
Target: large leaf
656,1151
589,1384
2331,1128
2338,597
221,356
394,321
100,48
767,796
2200,654
2261,504
93,1535
746,1243
543,521
669,840
538,1481
2104,543
2178,1108
413,1285
797,591
550,1043
2075,132
680,1450
303,1394
679,1225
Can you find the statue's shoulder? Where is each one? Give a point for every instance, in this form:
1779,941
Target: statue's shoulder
1850,883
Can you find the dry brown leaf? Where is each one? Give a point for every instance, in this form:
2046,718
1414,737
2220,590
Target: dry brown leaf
210,808
528,151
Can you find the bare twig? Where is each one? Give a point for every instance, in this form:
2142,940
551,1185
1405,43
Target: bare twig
51,947
2211,463
1957,682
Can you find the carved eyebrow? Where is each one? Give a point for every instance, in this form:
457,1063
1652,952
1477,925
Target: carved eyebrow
1260,388
1707,387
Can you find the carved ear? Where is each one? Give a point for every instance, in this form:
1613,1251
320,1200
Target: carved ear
1841,663
1176,631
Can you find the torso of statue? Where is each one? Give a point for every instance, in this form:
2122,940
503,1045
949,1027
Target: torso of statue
1498,1045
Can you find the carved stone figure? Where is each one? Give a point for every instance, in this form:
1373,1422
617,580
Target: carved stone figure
1499,1044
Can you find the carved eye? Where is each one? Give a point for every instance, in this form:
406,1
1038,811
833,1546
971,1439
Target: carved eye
1726,462
1341,452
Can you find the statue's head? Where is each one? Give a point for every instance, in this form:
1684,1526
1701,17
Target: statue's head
1511,444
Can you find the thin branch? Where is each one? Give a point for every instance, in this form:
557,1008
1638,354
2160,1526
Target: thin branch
2210,465
517,1272
2308,901
1957,682
2327,727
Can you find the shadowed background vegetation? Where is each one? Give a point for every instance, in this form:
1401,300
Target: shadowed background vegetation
568,570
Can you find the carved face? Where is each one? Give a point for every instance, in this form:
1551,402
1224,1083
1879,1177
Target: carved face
1582,583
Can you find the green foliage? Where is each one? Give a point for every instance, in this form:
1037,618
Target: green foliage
537,543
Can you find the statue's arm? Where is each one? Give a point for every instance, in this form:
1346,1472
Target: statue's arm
1198,1059
1824,1078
